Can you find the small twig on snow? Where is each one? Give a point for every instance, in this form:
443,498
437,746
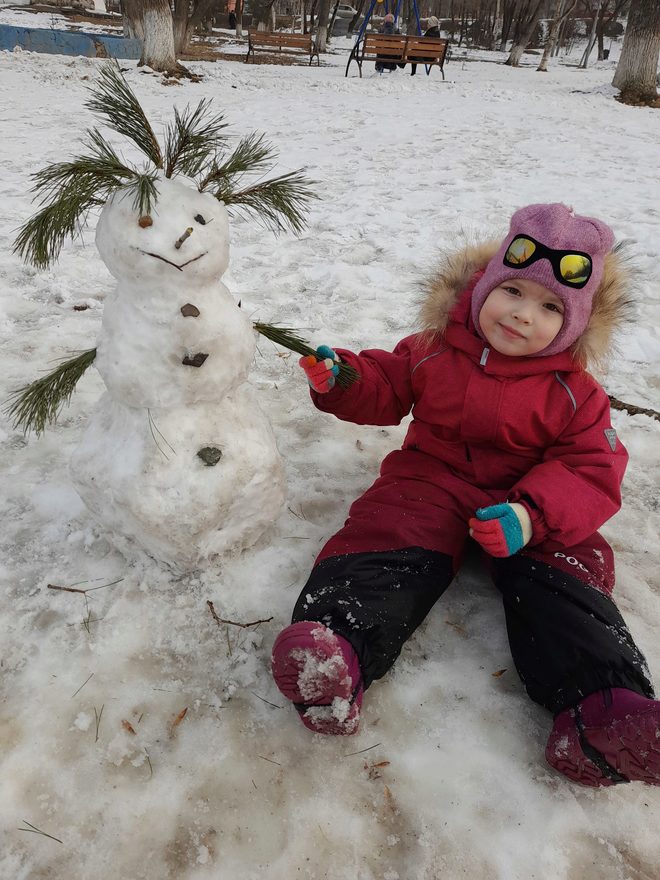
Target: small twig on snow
221,620
274,705
84,592
65,589
350,754
34,830
82,685
98,716
179,718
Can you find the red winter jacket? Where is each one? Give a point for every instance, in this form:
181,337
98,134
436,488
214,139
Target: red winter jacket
530,429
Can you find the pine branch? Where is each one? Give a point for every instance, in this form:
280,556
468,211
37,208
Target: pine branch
37,405
40,240
68,190
192,140
146,193
251,154
278,204
290,339
113,100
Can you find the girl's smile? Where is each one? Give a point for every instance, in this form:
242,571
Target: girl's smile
520,317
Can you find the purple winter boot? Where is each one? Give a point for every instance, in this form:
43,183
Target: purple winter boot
319,672
609,737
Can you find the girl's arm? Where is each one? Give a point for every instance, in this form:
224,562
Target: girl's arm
577,486
382,395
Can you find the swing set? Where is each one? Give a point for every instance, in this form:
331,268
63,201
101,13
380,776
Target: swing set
397,48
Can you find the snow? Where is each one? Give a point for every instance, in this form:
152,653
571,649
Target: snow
239,787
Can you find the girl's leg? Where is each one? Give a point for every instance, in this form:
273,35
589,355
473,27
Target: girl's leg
375,600
372,585
576,657
352,618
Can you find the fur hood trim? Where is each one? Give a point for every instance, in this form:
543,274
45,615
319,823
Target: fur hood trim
612,304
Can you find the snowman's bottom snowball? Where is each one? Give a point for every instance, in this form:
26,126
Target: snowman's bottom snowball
139,473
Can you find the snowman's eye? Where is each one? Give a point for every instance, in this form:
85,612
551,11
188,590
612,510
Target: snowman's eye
200,219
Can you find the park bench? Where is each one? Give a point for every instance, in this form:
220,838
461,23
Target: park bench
400,49
279,41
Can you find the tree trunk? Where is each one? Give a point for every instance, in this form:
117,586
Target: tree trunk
409,18
262,13
584,61
637,70
600,31
559,17
238,11
496,31
184,26
180,23
132,26
155,17
322,30
332,19
353,23
523,41
510,11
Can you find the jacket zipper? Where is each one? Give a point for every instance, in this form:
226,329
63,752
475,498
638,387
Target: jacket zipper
484,357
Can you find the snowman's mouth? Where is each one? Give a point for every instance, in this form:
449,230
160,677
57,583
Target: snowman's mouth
176,266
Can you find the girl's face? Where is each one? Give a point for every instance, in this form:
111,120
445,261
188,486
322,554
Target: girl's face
521,317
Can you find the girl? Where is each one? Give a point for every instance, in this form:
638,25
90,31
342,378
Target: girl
511,443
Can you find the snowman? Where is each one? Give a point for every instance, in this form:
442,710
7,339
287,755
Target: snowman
177,458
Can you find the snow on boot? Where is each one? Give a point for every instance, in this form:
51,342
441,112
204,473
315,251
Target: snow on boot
611,736
319,672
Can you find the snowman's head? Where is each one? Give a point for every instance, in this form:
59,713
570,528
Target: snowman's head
185,236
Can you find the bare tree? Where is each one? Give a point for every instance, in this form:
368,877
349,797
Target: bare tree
153,19
559,16
510,10
262,14
637,70
606,19
238,12
186,21
526,33
322,29
591,41
359,8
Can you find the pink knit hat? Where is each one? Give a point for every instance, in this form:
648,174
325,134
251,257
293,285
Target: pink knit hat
558,228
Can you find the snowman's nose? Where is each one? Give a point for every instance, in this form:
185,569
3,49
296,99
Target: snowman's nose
182,238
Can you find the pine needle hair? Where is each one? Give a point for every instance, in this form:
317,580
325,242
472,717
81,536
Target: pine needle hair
196,145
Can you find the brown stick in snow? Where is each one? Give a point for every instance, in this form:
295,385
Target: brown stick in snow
220,620
615,403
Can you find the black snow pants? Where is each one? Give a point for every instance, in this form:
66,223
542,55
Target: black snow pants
567,638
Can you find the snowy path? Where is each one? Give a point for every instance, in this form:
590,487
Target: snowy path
239,789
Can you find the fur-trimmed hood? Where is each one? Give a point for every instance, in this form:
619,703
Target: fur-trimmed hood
612,303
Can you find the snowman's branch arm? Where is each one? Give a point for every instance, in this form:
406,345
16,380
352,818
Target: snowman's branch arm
37,405
290,339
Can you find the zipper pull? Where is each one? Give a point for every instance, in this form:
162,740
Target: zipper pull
484,357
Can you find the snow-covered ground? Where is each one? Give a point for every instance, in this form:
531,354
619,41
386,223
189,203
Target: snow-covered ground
446,778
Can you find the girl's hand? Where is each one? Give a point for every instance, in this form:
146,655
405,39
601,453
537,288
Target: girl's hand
502,529
322,369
